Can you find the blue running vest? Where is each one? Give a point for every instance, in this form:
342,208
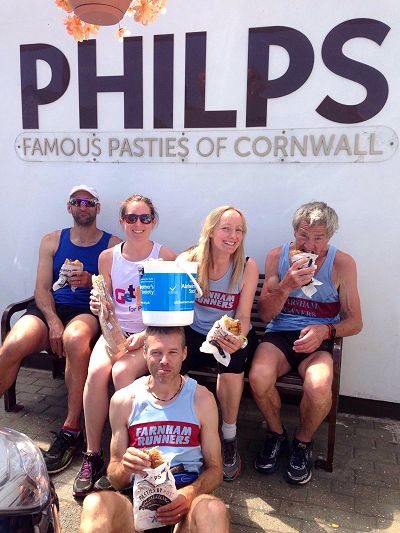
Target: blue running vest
300,310
88,255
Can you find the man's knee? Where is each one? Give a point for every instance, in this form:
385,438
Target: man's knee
77,339
100,509
92,511
94,502
318,391
11,351
264,369
24,338
318,383
209,508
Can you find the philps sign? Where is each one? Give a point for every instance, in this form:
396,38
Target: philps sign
260,91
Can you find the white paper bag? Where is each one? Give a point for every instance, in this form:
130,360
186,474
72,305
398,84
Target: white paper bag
156,487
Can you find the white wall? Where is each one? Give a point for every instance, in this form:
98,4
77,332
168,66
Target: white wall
365,195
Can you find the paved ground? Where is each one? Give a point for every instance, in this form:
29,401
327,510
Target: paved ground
362,494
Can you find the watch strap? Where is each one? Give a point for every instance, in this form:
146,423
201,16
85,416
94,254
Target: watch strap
332,331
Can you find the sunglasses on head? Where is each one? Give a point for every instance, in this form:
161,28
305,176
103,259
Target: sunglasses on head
85,201
131,218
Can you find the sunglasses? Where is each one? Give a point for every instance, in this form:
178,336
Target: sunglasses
131,218
85,201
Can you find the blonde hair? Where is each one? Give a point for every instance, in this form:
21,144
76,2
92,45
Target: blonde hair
202,251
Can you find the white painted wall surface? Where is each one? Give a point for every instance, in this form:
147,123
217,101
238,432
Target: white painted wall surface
366,196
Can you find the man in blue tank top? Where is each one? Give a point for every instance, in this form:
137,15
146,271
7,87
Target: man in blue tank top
180,417
60,318
305,305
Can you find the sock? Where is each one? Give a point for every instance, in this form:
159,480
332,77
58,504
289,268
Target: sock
74,431
97,454
228,431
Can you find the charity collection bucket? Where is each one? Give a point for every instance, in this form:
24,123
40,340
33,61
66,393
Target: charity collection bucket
167,291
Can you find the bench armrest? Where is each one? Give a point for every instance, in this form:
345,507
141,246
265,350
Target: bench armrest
337,350
10,311
337,364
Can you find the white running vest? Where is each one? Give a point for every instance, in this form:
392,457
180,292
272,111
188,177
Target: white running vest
173,428
126,293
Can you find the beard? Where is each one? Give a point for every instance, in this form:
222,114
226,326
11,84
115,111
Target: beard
84,219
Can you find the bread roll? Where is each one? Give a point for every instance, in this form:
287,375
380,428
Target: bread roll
295,252
232,325
74,262
156,457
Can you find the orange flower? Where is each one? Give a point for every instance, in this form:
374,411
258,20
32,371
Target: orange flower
78,29
63,4
90,28
130,11
122,32
161,6
147,10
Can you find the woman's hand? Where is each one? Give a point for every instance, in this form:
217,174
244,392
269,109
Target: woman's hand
134,342
230,343
95,302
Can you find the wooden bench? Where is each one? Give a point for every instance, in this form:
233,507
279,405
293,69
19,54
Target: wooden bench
290,383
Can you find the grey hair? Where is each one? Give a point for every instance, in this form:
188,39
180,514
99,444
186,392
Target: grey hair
317,214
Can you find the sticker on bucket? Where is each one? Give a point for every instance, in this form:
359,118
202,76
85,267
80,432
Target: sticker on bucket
168,290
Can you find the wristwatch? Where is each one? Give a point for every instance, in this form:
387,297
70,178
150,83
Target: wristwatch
332,331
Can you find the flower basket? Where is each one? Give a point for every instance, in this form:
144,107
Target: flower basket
89,15
100,12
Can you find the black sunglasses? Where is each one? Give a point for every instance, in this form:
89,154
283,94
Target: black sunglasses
131,218
85,201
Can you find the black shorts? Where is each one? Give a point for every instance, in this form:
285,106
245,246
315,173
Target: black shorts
284,341
195,359
64,312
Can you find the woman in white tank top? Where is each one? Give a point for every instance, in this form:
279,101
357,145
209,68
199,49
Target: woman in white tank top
119,267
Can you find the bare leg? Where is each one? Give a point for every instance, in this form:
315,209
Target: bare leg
106,512
124,369
317,373
95,395
128,368
28,335
76,339
206,514
268,364
229,393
